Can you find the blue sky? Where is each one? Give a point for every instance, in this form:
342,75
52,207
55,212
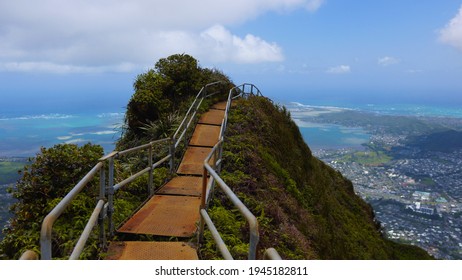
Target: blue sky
69,54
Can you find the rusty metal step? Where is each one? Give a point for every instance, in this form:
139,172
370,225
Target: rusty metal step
193,161
165,215
213,117
205,135
183,185
220,105
142,250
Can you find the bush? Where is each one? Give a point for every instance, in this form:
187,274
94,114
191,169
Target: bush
51,175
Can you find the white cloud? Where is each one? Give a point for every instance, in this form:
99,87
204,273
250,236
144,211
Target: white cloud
314,5
341,69
50,67
95,36
451,34
387,61
224,46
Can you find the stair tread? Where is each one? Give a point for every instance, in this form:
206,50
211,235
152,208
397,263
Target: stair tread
212,117
193,161
143,250
205,135
165,215
183,185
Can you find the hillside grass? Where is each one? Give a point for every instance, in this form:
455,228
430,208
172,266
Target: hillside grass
371,158
306,209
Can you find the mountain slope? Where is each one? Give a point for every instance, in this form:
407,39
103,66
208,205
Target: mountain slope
306,210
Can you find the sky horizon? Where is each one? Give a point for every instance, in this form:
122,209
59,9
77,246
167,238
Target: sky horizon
88,53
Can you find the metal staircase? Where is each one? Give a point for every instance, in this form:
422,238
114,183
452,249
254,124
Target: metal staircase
176,211
173,211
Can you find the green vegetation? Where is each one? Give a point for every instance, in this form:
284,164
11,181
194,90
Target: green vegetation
445,141
427,181
398,125
50,176
162,96
306,209
368,158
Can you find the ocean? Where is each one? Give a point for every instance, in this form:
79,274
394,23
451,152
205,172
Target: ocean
331,136
23,135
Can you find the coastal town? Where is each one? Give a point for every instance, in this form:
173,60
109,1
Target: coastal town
409,170
416,198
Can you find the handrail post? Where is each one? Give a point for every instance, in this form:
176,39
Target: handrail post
110,208
254,239
102,196
45,238
271,254
220,155
47,224
151,171
186,136
172,153
203,205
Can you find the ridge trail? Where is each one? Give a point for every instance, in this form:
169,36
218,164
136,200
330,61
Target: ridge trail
173,211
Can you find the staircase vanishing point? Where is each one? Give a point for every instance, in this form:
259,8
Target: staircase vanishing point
174,209
177,211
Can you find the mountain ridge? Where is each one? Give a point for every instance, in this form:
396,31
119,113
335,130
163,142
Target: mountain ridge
306,209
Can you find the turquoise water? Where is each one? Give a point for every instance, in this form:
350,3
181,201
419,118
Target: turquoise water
330,136
453,110
326,136
413,110
23,135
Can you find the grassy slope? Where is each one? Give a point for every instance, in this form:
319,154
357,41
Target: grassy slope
306,209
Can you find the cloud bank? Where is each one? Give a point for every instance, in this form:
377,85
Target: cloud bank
115,35
451,34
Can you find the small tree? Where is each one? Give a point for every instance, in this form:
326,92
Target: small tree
162,91
51,175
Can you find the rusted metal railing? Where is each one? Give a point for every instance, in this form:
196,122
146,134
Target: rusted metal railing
208,186
104,208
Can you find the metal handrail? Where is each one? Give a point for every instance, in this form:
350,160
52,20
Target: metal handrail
192,111
271,254
208,188
251,219
86,232
47,225
105,204
29,255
